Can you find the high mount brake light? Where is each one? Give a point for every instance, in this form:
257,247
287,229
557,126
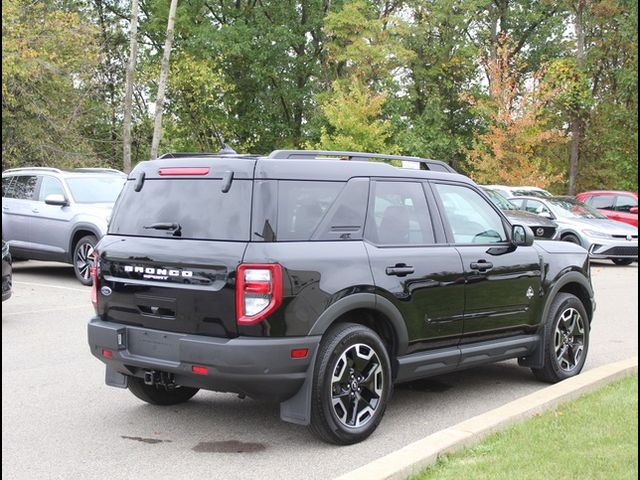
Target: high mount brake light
178,171
258,292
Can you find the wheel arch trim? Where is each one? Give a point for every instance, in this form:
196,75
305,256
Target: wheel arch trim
369,301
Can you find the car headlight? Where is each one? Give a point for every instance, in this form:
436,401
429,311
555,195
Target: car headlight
595,233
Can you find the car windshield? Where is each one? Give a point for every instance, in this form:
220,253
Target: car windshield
102,189
499,200
569,208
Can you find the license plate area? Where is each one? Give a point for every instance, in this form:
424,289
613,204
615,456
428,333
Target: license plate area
159,345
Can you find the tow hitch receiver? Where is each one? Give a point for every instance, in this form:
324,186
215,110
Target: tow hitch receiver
162,379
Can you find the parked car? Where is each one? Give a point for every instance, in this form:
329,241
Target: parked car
509,192
543,228
616,205
260,276
57,215
580,224
7,281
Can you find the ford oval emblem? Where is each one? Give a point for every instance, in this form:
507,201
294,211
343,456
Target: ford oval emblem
106,291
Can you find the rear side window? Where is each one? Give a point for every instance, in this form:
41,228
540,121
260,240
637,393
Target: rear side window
301,207
293,210
399,215
24,187
199,207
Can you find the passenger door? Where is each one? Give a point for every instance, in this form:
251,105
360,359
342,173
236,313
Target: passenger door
503,282
424,279
51,230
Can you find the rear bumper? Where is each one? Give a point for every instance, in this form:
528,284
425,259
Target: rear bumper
260,367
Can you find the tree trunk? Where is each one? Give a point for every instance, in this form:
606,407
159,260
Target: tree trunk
131,68
162,83
577,123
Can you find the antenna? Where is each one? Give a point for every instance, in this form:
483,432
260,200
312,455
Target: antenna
224,148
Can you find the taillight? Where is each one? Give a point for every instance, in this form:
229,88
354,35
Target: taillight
258,292
94,270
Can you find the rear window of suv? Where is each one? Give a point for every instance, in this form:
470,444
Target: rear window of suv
198,206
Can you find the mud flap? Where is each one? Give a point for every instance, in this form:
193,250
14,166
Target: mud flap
115,379
297,409
536,358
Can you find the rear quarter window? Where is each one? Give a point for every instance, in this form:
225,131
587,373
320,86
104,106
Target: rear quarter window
296,210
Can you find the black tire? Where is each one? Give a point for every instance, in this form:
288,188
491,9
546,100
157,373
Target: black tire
82,258
365,384
159,395
622,261
566,339
571,238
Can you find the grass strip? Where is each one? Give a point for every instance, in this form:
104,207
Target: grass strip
593,437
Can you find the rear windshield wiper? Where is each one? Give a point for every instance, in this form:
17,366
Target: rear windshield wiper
177,229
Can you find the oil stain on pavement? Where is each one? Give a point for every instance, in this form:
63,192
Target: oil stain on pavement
144,440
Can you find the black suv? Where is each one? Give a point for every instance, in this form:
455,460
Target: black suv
320,279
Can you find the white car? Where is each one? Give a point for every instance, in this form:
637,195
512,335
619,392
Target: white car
510,192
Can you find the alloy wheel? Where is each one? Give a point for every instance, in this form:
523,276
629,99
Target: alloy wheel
569,339
84,260
357,385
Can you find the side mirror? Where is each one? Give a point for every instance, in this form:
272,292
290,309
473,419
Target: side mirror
56,199
546,214
633,210
521,236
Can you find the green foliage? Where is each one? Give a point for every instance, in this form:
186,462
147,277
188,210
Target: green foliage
567,88
353,112
48,59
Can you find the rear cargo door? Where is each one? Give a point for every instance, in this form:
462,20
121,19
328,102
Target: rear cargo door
175,241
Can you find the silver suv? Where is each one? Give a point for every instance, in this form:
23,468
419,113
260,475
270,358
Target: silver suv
58,215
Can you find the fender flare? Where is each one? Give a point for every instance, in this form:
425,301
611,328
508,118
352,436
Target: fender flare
567,278
81,226
370,301
535,359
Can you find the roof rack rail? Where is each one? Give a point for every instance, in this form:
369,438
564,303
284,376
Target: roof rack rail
41,169
186,154
318,154
97,170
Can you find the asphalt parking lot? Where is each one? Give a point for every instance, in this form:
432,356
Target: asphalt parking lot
59,420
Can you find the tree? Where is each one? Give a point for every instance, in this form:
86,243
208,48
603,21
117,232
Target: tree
353,115
131,68
164,72
48,60
577,120
519,141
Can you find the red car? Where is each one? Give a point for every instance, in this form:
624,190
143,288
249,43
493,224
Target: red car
620,206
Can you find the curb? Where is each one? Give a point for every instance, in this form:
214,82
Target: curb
417,455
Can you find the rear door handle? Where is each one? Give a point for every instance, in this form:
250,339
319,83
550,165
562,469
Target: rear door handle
400,270
35,210
481,265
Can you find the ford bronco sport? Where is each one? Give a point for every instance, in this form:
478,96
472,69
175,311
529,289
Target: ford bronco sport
320,279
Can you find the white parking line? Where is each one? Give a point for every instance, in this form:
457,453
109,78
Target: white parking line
44,310
52,286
